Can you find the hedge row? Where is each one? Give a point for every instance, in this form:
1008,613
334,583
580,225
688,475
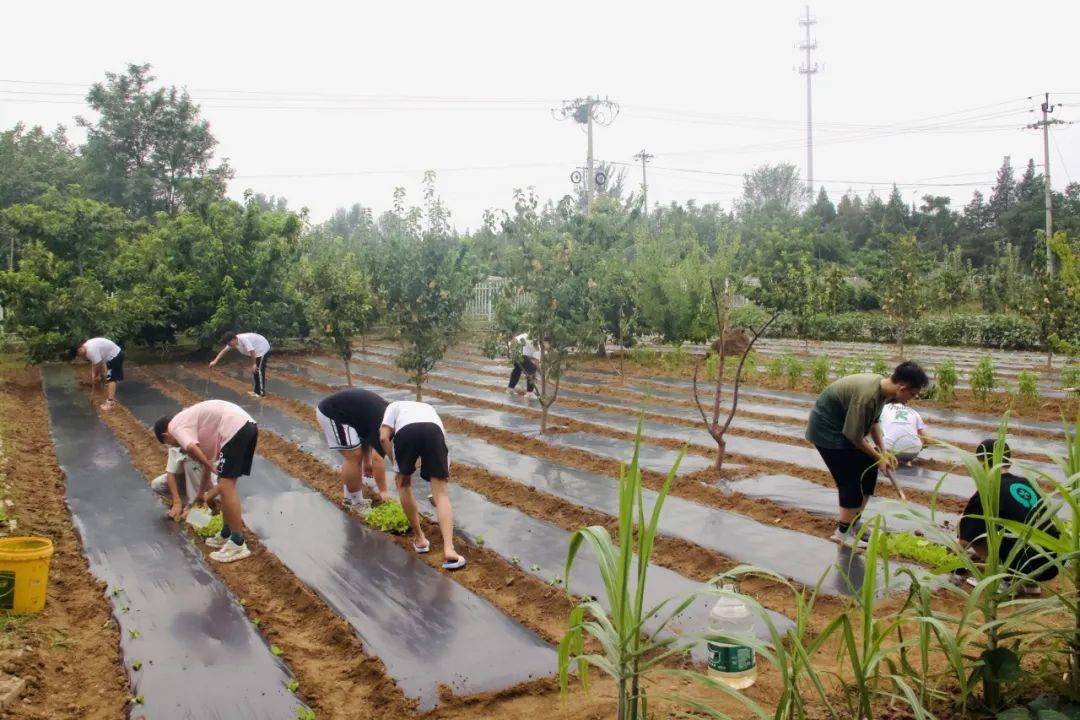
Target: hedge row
1005,332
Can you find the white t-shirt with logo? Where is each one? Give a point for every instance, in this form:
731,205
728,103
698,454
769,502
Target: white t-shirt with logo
101,349
900,426
528,348
248,343
406,412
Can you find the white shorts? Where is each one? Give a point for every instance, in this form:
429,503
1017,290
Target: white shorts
339,436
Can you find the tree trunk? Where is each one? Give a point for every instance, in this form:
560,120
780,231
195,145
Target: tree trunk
1049,358
348,372
419,395
721,450
543,418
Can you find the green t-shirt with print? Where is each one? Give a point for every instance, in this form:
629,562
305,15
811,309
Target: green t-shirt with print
845,411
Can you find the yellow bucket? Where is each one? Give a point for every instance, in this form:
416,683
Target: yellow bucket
24,573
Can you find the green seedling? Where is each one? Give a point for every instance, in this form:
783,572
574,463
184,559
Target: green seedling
136,699
276,651
303,713
479,541
137,665
256,622
212,528
133,634
124,607
535,568
116,591
293,686
515,560
389,517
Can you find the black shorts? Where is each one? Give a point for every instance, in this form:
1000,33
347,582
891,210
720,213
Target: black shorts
237,454
854,472
114,369
425,442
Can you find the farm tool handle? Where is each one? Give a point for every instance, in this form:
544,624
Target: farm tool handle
899,490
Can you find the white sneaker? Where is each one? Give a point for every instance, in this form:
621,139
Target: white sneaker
231,552
848,539
216,541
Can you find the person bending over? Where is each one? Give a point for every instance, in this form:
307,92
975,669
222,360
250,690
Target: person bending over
180,482
253,346
350,420
1020,501
528,363
106,365
222,437
845,413
904,431
412,432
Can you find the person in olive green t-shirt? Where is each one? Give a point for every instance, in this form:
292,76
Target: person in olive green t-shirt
844,415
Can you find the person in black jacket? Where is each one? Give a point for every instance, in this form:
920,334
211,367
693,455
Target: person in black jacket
1020,501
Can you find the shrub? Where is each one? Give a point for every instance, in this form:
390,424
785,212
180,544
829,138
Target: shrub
1070,376
880,365
945,379
793,368
776,367
848,365
1027,385
982,378
819,372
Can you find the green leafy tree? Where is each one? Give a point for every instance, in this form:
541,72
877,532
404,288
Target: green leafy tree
904,286
147,146
425,303
339,298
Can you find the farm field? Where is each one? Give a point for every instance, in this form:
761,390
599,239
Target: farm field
317,621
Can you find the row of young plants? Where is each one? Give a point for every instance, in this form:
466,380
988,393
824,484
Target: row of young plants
949,649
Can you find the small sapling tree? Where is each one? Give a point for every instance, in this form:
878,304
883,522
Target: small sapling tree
339,300
431,282
559,311
725,279
904,286
982,378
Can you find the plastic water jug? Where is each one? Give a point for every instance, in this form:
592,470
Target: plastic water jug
198,517
733,665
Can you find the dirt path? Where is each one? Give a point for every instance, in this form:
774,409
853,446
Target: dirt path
69,655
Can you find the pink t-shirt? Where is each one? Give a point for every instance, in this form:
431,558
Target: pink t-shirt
211,423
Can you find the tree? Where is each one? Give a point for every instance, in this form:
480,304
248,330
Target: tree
561,312
147,146
725,278
797,286
338,296
1067,337
773,190
32,161
426,281
903,285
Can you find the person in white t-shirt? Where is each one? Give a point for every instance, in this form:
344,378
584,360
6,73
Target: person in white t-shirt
904,431
412,432
528,363
180,482
253,346
106,365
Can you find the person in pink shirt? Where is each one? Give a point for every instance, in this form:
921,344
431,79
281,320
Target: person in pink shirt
221,437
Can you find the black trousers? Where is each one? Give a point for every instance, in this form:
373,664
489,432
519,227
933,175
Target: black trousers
259,375
529,368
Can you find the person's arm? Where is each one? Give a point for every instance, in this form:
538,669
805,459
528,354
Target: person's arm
387,446
177,507
380,478
254,361
194,450
221,354
204,482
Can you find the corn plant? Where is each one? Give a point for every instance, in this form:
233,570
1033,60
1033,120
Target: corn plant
982,378
776,367
945,379
793,370
819,372
879,365
628,653
1027,385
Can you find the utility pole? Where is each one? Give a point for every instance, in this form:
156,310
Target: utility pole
1044,125
588,111
809,69
645,158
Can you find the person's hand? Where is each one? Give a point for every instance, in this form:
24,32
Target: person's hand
213,363
887,462
176,512
254,368
385,496
200,499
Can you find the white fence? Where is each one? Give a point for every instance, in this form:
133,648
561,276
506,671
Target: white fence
481,306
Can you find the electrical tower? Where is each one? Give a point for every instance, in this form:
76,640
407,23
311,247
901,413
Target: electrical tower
588,111
1044,125
645,158
809,69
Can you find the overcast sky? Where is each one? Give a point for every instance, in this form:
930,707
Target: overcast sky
328,104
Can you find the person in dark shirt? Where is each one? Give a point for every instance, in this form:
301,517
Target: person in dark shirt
845,414
1018,500
350,420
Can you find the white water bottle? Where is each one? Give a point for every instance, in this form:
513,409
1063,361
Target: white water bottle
733,665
